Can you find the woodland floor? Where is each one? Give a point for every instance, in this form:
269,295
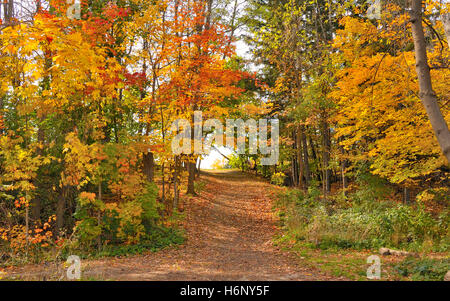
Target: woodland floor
229,227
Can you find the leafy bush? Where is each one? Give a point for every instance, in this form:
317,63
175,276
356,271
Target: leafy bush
19,243
423,269
278,178
157,239
239,161
364,224
371,188
127,222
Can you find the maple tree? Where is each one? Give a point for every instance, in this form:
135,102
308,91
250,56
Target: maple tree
87,106
351,80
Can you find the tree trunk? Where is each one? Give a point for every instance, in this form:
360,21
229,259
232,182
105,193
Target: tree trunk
36,204
191,178
446,21
99,239
163,179
176,181
2,120
344,164
305,158
427,95
60,208
149,166
175,187
8,12
294,176
198,167
300,162
343,177
326,157
406,195
313,150
27,226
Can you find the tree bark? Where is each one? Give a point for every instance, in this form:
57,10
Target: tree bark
305,158
99,239
163,179
326,157
446,21
2,119
427,95
60,208
198,167
300,161
344,179
149,166
8,12
176,182
191,178
190,164
313,150
406,195
294,176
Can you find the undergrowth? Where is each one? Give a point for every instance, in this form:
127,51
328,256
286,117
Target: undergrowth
339,223
336,234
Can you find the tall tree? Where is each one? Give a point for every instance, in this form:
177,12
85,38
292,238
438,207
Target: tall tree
427,94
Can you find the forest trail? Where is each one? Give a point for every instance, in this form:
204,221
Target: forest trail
229,229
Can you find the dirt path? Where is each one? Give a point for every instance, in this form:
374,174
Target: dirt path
229,229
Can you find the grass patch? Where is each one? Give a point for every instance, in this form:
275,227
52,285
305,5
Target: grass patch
199,186
345,263
337,236
422,269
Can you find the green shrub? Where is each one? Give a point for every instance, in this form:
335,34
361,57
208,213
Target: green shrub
199,186
423,269
107,225
278,178
158,238
364,224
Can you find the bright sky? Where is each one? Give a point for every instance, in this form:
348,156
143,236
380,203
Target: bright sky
213,156
241,50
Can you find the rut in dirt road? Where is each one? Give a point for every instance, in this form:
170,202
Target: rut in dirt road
229,228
